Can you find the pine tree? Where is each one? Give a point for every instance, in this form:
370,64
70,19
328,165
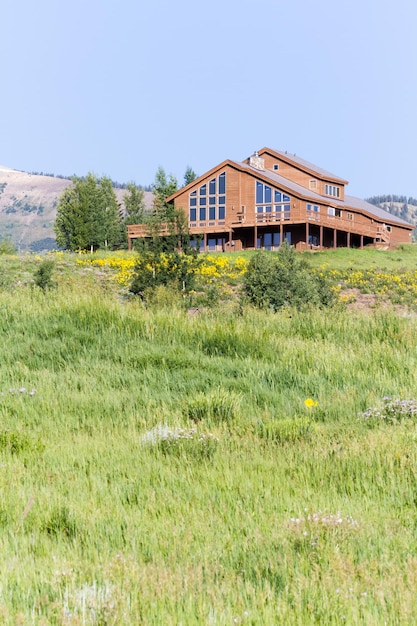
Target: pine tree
189,175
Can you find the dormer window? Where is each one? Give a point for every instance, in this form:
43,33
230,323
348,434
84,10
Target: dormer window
331,190
275,167
313,184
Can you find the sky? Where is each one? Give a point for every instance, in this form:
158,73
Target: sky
122,88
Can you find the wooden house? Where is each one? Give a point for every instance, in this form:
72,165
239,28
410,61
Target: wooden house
272,197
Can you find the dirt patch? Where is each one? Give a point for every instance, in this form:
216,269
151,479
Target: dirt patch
371,303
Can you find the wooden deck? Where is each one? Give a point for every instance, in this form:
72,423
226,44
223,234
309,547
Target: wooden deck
279,221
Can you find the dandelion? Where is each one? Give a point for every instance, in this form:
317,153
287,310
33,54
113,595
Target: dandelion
310,403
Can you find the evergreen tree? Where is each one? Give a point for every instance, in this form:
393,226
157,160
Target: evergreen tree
189,175
88,215
163,187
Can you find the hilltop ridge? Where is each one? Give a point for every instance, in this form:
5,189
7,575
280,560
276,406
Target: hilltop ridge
28,204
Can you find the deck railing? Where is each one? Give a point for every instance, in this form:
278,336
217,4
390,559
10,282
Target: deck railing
376,231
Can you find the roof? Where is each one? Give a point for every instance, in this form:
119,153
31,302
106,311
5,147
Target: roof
305,165
300,191
367,207
349,201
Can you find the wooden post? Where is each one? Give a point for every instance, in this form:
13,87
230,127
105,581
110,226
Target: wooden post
281,233
361,244
129,243
348,239
307,233
255,236
230,241
205,242
334,238
321,236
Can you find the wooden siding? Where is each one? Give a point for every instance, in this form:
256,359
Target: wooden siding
297,175
242,225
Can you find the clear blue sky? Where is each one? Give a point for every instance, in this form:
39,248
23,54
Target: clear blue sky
120,88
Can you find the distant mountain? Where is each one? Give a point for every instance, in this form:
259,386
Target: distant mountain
400,206
28,207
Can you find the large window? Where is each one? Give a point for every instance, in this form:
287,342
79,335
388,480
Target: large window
211,203
271,204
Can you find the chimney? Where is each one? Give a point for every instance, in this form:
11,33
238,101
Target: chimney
256,161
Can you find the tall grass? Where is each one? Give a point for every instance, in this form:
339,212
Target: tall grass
297,516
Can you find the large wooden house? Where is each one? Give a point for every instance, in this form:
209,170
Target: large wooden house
272,197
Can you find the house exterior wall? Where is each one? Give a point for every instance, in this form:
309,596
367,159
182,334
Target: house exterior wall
308,179
243,223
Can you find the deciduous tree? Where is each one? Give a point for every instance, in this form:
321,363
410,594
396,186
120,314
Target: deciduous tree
134,200
88,215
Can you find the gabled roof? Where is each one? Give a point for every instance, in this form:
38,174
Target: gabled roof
350,202
292,159
197,180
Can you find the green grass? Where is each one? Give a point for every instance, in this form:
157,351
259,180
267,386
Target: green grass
290,516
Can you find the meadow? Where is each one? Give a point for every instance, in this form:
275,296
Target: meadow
215,466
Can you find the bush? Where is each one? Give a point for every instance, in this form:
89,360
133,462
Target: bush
273,281
168,269
43,275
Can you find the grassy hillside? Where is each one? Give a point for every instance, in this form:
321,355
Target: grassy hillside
159,467
28,208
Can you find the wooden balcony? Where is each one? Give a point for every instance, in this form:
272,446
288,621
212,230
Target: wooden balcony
374,230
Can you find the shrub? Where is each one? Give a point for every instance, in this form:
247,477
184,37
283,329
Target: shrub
273,281
43,275
169,269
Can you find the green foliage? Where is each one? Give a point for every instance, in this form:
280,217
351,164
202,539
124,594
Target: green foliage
181,442
61,523
17,441
43,275
286,430
7,246
134,200
170,269
163,187
189,175
88,215
270,525
285,279
217,405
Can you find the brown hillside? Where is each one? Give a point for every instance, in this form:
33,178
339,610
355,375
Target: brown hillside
28,207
